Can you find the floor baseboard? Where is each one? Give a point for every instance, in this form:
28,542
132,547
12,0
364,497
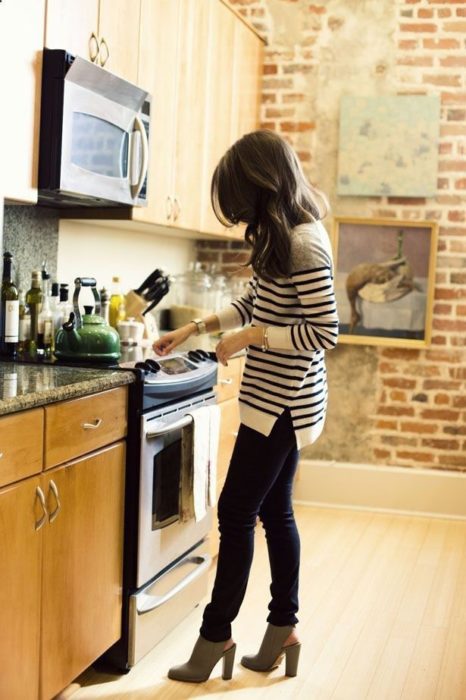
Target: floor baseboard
410,491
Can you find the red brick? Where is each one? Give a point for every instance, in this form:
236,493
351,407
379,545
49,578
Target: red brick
381,454
268,126
424,27
417,427
458,278
443,12
455,429
439,444
398,440
441,293
460,184
397,395
299,68
449,356
415,456
442,309
424,13
426,61
453,165
268,97
443,80
453,98
453,61
395,411
407,44
278,113
461,310
294,97
399,383
441,44
317,9
386,424
400,353
388,368
454,460
459,27
421,370
292,127
269,69
459,402
461,12
440,414
441,399
457,372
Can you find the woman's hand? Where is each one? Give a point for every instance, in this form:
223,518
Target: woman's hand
232,344
168,342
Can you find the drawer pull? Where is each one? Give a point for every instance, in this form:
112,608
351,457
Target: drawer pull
40,495
227,382
54,490
93,426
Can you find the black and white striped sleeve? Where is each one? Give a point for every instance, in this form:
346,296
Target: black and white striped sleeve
239,312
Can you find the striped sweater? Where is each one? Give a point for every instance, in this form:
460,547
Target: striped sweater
301,316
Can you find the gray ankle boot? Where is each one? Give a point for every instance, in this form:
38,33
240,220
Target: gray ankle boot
272,651
204,657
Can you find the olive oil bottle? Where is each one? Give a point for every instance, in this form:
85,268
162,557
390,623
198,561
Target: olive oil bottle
34,302
9,328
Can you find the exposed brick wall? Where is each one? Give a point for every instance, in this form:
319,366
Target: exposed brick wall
420,417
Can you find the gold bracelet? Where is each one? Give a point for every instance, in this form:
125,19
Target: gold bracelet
265,339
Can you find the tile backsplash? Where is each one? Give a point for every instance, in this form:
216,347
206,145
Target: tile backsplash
30,234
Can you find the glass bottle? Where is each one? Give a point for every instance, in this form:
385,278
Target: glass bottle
9,328
34,302
117,304
24,324
45,334
105,305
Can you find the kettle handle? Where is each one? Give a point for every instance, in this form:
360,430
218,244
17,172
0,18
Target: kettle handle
84,282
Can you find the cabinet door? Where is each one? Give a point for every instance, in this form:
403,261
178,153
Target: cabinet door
157,72
70,25
190,111
21,42
119,28
229,424
20,547
219,103
82,565
247,79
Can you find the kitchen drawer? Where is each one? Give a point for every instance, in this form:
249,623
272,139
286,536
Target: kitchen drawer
229,379
74,428
21,445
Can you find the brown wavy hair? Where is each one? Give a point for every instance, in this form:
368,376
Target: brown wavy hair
259,182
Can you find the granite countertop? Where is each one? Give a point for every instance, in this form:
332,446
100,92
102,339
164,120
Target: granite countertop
25,386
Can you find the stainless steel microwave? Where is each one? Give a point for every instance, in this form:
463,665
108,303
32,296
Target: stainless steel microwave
94,135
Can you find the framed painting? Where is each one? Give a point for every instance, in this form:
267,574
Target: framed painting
384,280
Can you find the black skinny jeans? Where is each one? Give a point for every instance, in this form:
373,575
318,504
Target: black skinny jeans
259,483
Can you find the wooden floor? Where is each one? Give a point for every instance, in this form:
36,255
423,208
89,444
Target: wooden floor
383,615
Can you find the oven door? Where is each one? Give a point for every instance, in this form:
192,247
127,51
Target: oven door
163,537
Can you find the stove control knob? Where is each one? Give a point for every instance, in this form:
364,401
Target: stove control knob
142,365
193,356
203,353
153,366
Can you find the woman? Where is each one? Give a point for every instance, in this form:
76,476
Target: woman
291,320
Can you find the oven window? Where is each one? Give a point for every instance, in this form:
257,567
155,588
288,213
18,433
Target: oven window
166,485
99,146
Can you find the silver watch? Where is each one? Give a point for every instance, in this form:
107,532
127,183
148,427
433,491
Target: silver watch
200,325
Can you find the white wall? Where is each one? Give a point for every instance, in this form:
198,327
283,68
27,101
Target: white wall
85,250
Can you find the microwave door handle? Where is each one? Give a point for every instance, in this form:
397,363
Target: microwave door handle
176,425
139,126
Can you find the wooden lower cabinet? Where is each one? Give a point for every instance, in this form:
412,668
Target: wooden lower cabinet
82,565
20,575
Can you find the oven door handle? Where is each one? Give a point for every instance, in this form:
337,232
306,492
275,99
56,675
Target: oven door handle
169,427
146,603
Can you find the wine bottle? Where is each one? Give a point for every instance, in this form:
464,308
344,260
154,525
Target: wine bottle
9,311
24,324
34,302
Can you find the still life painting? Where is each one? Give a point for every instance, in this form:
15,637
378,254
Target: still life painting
384,280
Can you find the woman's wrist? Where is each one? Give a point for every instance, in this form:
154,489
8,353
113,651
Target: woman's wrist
255,335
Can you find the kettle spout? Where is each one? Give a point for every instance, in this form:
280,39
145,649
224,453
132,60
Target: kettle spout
73,337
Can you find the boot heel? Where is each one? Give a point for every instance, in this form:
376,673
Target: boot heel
228,661
292,658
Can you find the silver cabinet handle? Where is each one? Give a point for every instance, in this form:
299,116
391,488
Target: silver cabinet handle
103,60
93,47
147,602
168,427
176,209
226,381
93,426
40,495
169,207
54,490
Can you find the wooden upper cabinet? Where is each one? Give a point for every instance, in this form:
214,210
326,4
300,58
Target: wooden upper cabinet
219,103
190,112
70,25
157,73
20,579
21,42
103,31
247,80
119,35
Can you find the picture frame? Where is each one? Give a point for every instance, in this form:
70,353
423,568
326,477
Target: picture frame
384,273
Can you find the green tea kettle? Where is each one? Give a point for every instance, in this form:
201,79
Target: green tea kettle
88,337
